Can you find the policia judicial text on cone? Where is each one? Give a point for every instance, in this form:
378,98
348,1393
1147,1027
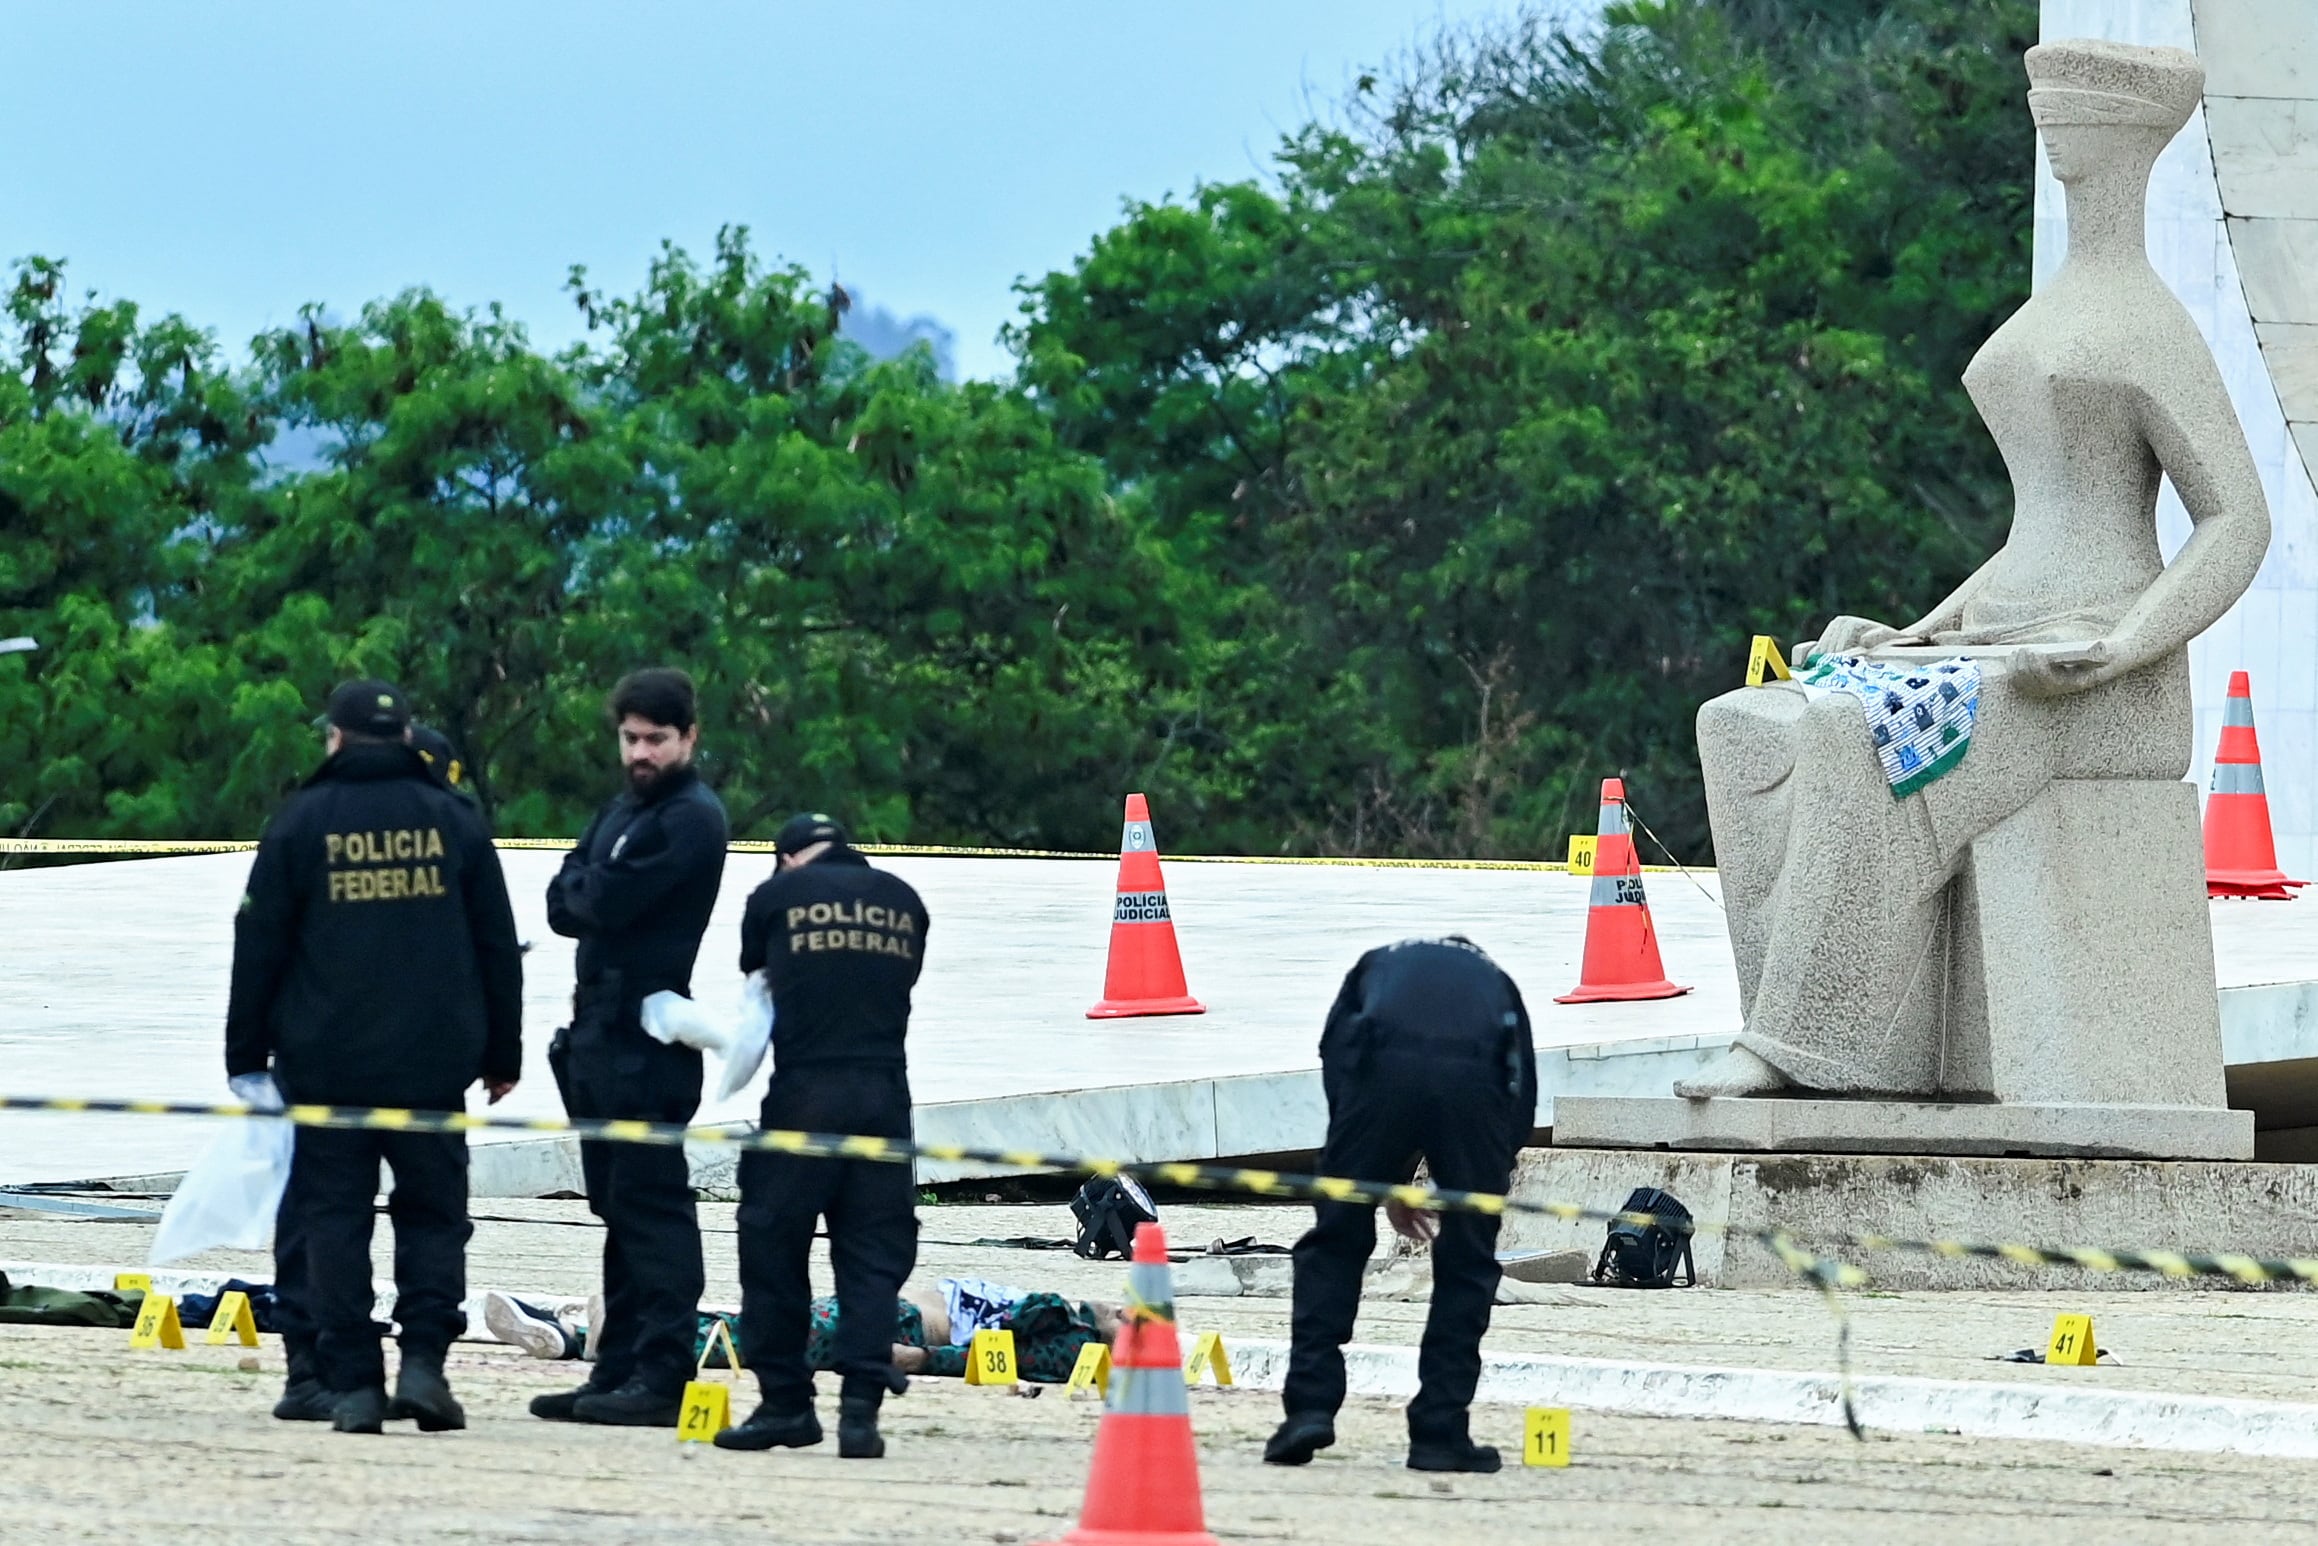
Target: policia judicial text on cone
1143,1486
375,963
2241,856
1145,972
636,893
840,944
1621,959
1427,1052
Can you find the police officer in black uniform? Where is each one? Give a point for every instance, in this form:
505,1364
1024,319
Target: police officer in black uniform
1427,1052
375,964
304,1397
840,944
636,893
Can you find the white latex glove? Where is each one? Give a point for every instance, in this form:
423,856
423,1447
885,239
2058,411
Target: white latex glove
256,1091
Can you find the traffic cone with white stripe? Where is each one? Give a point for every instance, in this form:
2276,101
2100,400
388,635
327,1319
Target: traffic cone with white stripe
1145,975
2241,857
1143,1489
1621,942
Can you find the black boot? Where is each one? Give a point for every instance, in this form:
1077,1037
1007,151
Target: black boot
360,1411
421,1393
305,1399
857,1404
634,1405
770,1429
1455,1454
562,1406
1301,1437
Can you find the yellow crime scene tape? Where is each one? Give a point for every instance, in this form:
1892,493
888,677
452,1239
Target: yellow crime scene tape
165,847
1246,1180
1827,1273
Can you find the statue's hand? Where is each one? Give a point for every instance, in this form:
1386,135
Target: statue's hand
2051,670
1847,636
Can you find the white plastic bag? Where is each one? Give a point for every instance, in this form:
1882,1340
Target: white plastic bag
749,1042
229,1198
676,1021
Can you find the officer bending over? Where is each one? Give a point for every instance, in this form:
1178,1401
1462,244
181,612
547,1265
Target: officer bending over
840,944
375,964
1427,1052
636,893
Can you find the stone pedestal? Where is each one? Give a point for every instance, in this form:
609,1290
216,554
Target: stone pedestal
1804,1126
2071,1007
2257,1210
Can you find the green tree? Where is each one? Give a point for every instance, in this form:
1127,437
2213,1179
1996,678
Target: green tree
1535,389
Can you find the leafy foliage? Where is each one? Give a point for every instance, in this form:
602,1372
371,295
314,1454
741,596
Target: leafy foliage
1383,507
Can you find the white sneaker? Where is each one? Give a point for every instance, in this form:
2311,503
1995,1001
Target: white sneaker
512,1324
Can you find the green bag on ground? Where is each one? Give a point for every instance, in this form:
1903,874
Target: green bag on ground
30,1305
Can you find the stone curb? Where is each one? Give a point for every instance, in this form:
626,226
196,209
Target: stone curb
2121,1419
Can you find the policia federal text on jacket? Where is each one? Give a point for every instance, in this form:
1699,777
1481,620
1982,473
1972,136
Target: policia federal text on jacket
636,893
840,944
375,963
1427,1052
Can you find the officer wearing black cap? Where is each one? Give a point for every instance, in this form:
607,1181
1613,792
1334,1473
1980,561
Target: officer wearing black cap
304,1397
636,893
1426,1052
441,757
840,944
375,964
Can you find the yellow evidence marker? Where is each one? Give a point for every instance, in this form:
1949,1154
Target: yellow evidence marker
233,1318
1764,656
132,1282
1581,854
157,1324
1208,1357
1092,1373
718,1331
1545,1436
990,1359
706,1412
2072,1342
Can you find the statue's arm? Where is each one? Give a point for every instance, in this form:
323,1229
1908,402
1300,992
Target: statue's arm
2190,426
2194,431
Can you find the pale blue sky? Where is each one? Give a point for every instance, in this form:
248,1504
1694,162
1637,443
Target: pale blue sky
237,158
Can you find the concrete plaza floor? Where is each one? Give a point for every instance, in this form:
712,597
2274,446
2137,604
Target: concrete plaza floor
106,1444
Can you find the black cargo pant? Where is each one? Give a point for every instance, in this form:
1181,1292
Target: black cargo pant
643,1193
333,1182
291,1291
1391,1100
873,1231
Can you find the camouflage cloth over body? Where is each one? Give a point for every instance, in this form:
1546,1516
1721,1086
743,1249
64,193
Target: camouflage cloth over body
1048,1332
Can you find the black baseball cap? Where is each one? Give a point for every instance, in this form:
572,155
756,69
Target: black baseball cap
799,833
442,758
370,707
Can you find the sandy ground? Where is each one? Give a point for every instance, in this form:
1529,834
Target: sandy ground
102,1444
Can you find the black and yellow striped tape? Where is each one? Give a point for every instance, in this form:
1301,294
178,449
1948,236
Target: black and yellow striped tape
1244,1180
1247,1181
126,848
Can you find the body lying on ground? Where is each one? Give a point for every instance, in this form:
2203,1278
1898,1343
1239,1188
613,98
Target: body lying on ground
932,1328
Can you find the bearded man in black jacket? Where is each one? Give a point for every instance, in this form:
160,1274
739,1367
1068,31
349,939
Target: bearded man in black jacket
636,893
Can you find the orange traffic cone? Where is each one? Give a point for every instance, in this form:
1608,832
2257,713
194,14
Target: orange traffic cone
1621,943
1145,976
2241,858
1143,1489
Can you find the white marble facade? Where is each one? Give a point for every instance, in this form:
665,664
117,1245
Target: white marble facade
2261,116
